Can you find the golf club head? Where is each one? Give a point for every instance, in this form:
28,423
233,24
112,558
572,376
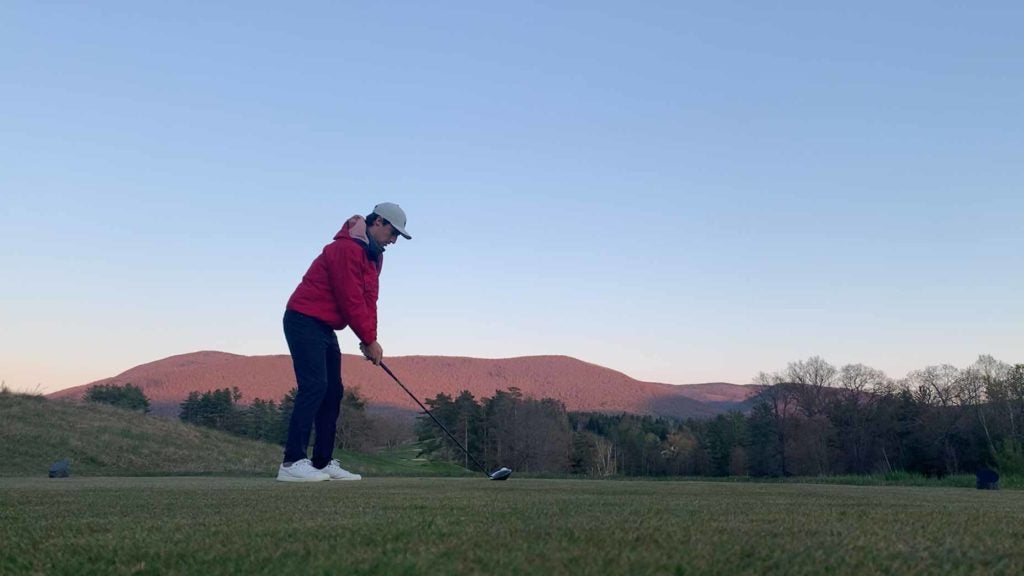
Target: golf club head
500,474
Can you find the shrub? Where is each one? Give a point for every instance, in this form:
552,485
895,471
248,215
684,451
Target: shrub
127,396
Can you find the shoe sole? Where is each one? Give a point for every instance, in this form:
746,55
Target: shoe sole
346,479
295,479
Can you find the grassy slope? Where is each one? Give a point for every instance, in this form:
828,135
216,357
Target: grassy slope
102,440
525,526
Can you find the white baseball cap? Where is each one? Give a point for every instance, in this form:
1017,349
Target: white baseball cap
394,214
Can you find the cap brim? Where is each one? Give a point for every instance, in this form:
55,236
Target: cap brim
402,232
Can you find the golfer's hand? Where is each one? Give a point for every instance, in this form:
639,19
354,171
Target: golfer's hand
373,352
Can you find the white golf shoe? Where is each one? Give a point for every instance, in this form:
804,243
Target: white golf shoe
301,471
336,472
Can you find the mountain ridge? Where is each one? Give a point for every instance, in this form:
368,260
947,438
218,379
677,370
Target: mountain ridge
580,385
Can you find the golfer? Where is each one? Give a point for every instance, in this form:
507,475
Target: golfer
339,290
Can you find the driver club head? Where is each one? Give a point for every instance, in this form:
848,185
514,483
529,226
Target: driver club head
500,474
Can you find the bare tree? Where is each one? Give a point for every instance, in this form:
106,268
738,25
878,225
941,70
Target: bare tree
779,399
857,380
853,412
971,385
993,388
607,457
944,389
814,375
991,370
937,385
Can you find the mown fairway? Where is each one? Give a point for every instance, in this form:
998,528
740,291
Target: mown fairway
523,526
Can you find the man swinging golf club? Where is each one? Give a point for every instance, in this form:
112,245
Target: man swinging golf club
339,290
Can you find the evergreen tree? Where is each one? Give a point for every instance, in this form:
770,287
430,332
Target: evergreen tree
260,421
214,409
284,417
127,396
354,426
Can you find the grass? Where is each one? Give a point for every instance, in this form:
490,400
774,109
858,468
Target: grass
404,460
892,479
523,526
1007,482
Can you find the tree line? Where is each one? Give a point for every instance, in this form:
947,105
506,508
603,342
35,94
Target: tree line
267,421
263,420
810,419
813,418
517,431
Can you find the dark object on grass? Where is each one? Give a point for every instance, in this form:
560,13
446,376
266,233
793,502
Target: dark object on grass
500,474
60,469
987,479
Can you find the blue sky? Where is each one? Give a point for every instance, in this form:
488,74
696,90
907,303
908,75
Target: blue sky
683,192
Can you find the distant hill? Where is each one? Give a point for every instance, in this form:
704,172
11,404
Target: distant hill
580,385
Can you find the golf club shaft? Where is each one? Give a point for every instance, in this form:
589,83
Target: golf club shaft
436,421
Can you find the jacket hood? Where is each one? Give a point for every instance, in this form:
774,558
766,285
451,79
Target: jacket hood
354,228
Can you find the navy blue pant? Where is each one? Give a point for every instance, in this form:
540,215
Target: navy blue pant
317,362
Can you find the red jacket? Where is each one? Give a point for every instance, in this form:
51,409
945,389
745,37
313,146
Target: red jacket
341,286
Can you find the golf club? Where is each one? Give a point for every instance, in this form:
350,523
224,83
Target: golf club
499,474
